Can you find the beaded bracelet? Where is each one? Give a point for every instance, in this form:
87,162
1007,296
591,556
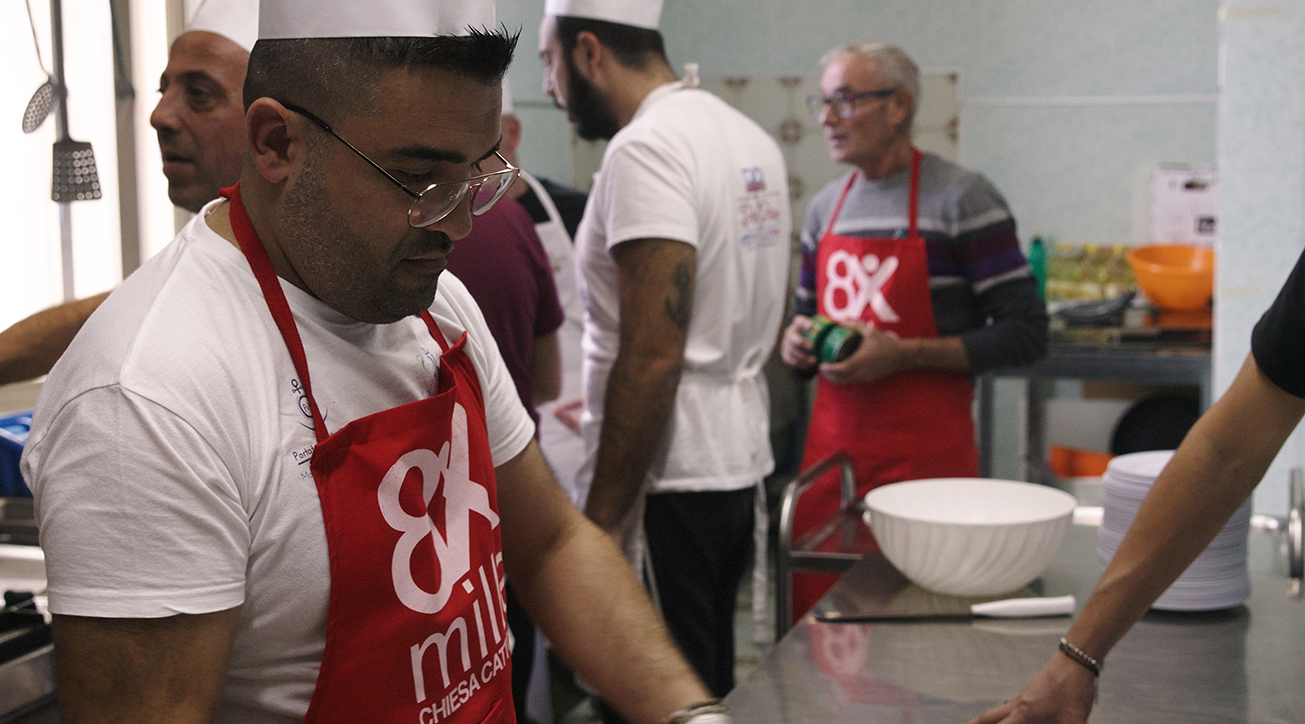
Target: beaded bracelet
712,707
1080,657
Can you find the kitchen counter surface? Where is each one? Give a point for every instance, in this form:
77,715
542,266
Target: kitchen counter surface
1241,665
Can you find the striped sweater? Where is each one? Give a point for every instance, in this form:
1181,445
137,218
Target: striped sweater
979,281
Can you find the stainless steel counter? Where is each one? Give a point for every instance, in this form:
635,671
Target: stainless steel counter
1246,664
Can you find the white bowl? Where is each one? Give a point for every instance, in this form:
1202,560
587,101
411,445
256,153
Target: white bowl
970,536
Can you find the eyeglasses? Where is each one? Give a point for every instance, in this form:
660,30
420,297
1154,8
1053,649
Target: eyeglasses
438,200
844,103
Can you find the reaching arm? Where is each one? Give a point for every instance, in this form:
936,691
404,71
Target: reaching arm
546,368
655,278
1217,466
31,346
143,671
582,594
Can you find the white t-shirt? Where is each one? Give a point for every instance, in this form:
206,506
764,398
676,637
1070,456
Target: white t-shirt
690,168
170,447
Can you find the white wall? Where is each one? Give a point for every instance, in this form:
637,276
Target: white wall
1066,105
31,270
1262,188
30,258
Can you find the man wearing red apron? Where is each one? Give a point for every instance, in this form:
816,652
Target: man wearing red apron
391,578
270,489
921,258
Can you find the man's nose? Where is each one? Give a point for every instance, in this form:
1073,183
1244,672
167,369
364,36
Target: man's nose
829,116
457,225
549,88
164,116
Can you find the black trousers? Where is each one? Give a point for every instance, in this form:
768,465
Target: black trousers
523,653
701,547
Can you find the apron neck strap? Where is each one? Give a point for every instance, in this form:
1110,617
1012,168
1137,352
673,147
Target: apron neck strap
546,201
913,221
261,264
838,208
913,231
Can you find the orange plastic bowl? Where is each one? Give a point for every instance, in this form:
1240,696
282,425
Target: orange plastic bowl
1174,276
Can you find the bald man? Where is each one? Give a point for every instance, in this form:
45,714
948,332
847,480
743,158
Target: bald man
200,120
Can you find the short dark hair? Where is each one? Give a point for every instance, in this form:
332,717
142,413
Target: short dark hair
634,47
337,76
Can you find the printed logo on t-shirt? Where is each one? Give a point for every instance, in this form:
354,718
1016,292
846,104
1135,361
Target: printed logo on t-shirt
852,284
754,178
299,398
430,365
759,211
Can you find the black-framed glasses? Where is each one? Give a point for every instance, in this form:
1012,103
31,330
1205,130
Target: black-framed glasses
440,199
843,102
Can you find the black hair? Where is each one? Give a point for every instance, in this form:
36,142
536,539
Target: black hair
337,76
634,47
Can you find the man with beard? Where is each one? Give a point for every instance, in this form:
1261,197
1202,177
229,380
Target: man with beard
684,253
228,539
200,120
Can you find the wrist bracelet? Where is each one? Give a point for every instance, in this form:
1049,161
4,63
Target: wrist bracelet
704,708
1080,657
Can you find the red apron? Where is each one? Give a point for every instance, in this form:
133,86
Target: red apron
416,630
911,425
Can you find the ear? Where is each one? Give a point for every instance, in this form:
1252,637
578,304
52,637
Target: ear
511,137
589,54
275,138
901,101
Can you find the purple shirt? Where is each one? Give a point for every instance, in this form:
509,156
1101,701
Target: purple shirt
505,268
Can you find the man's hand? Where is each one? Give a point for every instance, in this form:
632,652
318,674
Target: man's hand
794,348
569,411
1062,693
879,355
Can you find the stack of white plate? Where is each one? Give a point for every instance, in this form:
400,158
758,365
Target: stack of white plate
1216,579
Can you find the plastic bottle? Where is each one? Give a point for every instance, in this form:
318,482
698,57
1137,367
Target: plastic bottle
1038,263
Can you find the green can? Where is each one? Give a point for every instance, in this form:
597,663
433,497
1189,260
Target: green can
831,341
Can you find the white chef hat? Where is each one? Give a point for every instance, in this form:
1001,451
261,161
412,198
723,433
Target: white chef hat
639,13
508,108
372,18
236,20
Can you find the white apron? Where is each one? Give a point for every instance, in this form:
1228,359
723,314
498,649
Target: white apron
563,448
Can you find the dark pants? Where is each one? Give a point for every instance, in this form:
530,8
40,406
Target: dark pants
701,546
523,653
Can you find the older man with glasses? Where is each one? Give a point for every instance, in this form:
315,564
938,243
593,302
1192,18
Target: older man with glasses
921,258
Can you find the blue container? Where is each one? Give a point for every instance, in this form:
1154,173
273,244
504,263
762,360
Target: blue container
13,435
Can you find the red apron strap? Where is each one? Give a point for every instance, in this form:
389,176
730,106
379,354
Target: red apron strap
261,265
851,179
913,222
435,331
913,229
